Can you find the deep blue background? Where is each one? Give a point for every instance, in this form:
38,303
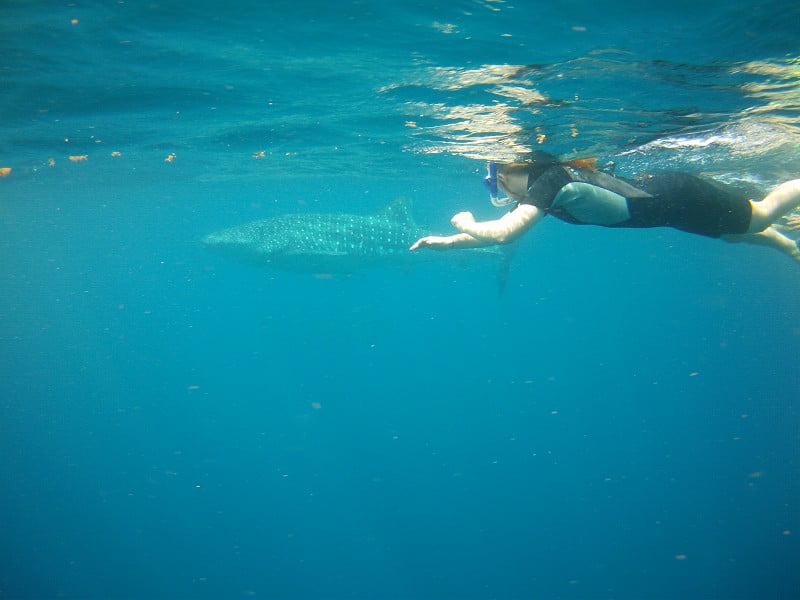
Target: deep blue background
621,423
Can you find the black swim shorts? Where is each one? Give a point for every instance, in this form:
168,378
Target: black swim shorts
690,203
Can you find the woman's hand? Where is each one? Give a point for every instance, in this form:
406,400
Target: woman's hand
462,219
434,242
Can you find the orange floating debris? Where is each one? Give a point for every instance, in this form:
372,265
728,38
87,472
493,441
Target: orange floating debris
116,153
170,158
74,21
79,158
4,171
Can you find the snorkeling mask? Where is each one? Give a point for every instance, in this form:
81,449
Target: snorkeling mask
491,183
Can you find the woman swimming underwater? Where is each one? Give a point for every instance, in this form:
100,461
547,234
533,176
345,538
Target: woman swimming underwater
578,194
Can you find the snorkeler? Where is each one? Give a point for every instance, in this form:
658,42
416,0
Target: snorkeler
577,193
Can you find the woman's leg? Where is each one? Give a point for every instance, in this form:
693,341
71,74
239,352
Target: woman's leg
769,237
780,201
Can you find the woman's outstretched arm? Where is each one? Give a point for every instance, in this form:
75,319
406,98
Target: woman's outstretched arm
476,234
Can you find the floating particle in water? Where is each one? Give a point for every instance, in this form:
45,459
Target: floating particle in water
446,28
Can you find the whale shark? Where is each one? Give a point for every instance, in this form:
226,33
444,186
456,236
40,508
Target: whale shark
338,243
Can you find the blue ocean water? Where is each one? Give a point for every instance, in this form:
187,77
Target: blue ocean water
622,422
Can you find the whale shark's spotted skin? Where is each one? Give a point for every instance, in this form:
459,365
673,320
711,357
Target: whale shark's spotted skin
329,242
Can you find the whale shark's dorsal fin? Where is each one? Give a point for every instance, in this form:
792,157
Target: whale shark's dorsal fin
398,211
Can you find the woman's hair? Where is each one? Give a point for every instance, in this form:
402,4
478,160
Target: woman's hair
539,157
537,162
534,163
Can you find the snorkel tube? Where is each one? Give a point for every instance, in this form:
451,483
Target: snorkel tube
491,180
491,183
